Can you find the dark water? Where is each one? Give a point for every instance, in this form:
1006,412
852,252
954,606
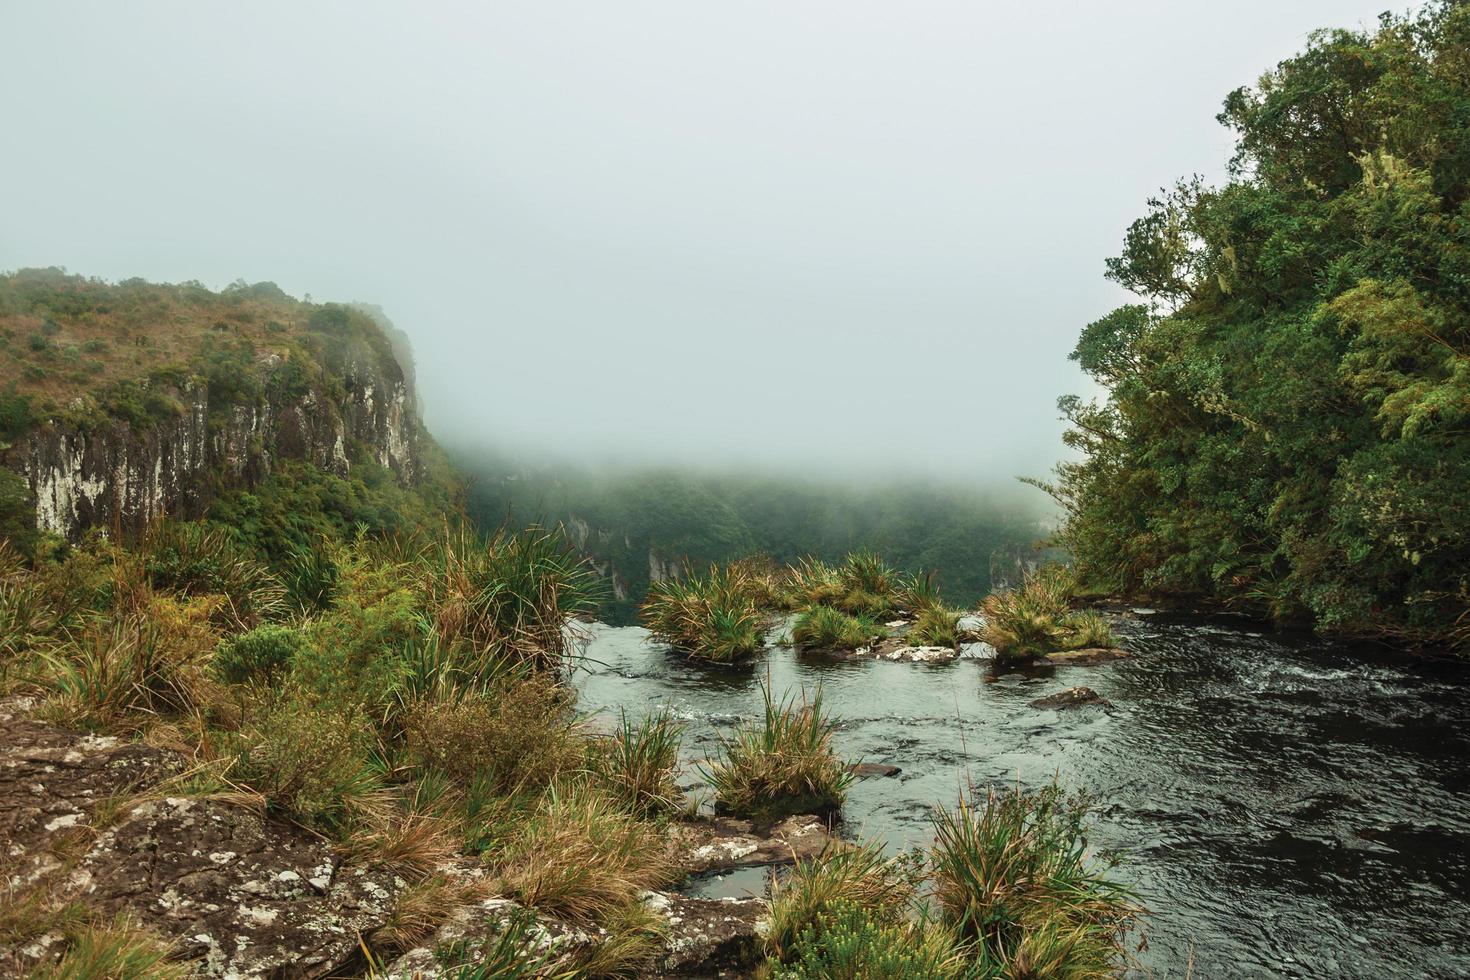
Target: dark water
1285,808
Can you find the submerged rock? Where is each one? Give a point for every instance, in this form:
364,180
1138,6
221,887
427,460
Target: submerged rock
1086,657
721,843
864,770
1072,697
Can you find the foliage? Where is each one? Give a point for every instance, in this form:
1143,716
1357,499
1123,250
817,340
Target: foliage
713,616
261,654
1029,622
785,764
936,626
842,877
1285,420
848,942
196,559
638,763
1012,878
825,628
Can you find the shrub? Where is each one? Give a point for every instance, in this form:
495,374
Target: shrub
194,559
848,942
515,734
713,616
1012,879
309,761
783,765
1025,623
856,877
264,653
639,762
936,626
825,628
582,856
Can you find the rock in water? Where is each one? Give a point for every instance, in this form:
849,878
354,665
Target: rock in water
1072,697
1086,657
879,769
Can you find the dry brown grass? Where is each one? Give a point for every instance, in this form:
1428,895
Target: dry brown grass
421,908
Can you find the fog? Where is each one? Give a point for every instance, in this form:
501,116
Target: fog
832,236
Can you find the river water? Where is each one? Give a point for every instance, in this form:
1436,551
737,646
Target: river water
1283,807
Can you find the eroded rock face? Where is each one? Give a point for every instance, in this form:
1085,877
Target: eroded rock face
81,477
1072,697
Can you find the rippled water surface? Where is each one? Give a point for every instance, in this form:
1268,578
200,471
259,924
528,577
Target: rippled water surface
1286,808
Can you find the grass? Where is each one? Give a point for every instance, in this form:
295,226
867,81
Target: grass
119,949
782,765
639,762
422,908
936,626
848,942
713,617
582,856
1027,623
856,877
1013,879
825,628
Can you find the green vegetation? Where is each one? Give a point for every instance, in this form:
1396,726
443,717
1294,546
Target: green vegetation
1036,619
692,519
714,616
639,761
119,949
1006,892
825,628
1285,424
782,765
1013,880
936,626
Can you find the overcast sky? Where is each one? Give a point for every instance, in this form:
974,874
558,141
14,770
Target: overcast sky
841,235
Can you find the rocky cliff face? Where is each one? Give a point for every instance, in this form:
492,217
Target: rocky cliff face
110,471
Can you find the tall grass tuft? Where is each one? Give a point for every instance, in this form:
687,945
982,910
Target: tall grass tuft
1013,879
516,591
825,628
193,559
713,616
783,765
1036,619
936,627
857,877
119,949
639,762
848,942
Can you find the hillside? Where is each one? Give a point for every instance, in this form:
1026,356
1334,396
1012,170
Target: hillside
120,402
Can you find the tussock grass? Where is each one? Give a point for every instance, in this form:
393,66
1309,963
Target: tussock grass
633,944
782,765
825,628
423,907
936,626
581,855
1026,623
1012,878
193,559
517,952
714,616
813,582
848,942
638,763
119,949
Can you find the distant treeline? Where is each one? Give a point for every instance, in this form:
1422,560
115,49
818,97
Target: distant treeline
693,518
1287,424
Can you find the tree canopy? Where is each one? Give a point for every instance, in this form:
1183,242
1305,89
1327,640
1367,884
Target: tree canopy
1286,422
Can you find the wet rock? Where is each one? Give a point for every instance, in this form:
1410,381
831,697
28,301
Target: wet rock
922,655
1086,657
864,770
721,843
709,936
1072,697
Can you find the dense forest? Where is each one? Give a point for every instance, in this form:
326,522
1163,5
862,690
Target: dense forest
1287,420
689,519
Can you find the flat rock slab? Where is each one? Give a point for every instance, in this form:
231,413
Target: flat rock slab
1086,657
1072,697
865,770
722,843
895,650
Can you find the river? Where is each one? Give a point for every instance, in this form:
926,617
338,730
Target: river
1284,807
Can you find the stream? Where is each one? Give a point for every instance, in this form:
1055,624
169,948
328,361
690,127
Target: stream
1284,807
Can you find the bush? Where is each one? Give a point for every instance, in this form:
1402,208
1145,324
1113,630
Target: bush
847,942
825,628
714,616
582,856
639,762
782,766
855,877
194,559
264,653
516,734
310,761
1012,879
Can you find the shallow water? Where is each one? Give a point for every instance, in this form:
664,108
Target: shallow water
1285,808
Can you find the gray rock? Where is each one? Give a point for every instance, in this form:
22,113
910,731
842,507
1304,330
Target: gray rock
1072,697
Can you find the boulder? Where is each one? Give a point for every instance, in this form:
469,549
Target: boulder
1072,697
722,843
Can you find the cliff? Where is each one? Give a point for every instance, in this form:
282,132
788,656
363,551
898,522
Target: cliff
228,385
